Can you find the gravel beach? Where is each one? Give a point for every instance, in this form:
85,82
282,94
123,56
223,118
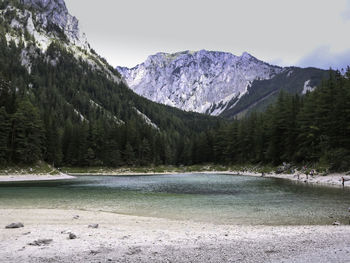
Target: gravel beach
123,238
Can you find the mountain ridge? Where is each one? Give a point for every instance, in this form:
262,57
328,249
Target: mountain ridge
209,82
72,106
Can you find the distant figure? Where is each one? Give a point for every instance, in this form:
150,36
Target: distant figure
342,180
312,173
262,174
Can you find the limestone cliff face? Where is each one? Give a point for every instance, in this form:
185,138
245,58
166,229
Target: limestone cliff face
203,81
47,22
55,12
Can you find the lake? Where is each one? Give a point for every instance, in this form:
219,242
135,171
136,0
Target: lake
216,198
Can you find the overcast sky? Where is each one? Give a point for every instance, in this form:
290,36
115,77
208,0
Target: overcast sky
284,32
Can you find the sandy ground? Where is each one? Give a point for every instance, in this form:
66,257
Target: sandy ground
123,238
34,177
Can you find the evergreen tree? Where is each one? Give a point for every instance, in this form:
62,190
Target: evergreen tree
4,135
27,134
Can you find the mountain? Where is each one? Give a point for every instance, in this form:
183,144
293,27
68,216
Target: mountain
215,83
36,24
63,103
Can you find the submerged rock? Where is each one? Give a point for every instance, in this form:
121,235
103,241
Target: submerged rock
14,225
76,217
93,226
336,223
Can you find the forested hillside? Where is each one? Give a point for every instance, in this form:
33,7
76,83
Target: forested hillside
314,128
65,105
65,110
262,93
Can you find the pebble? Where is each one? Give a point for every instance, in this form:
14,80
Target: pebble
40,242
72,236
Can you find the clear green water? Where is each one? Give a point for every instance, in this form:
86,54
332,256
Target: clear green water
222,199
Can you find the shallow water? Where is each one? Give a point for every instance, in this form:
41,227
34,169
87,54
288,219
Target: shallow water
222,199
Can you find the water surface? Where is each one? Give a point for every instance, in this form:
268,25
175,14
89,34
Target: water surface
222,199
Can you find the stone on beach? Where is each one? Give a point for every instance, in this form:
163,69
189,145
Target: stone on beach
40,242
93,226
14,225
66,232
72,236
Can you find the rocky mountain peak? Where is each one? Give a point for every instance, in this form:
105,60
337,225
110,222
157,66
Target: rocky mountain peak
46,4
39,23
55,12
202,81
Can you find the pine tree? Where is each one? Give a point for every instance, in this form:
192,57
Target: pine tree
27,134
4,135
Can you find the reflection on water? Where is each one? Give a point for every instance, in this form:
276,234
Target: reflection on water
225,199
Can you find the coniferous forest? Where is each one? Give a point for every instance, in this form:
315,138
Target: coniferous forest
314,128
68,114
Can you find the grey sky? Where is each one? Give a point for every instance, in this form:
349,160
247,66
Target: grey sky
298,32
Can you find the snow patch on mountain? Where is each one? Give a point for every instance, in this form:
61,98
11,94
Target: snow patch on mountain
307,88
203,81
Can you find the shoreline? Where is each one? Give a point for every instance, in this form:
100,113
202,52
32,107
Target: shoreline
130,238
331,180
126,238
34,177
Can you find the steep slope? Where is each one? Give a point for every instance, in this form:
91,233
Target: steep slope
203,81
36,24
262,93
214,83
84,113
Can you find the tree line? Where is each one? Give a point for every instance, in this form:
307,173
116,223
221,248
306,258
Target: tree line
68,114
310,129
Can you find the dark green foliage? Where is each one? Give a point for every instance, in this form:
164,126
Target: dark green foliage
4,134
67,113
26,134
296,129
265,92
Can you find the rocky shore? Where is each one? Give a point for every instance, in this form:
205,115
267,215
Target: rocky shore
46,237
